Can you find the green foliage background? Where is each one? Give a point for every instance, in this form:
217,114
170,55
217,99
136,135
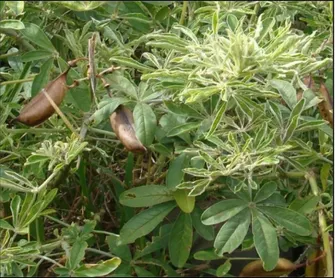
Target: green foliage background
234,158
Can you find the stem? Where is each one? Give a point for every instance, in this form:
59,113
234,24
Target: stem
323,226
183,12
17,81
34,130
4,56
50,260
45,183
99,252
100,131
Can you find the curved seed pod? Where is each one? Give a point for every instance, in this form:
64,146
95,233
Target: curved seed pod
255,269
326,106
122,122
39,108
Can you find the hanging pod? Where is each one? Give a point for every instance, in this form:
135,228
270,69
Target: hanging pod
255,269
326,106
39,108
122,122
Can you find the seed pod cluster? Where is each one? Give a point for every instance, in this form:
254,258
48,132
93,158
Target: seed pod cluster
122,122
255,269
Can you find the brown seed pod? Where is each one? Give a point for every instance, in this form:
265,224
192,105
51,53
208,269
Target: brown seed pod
255,269
326,106
39,108
122,122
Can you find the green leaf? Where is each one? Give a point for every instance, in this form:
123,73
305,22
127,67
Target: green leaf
215,19
106,108
141,272
293,120
185,202
98,270
36,55
129,62
120,83
265,240
11,24
217,119
42,78
206,255
5,225
145,196
77,253
35,34
145,123
265,192
180,241
207,232
121,251
286,90
157,243
81,97
232,233
232,22
144,222
222,211
178,130
175,172
289,219
324,174
15,208
305,205
267,25
223,269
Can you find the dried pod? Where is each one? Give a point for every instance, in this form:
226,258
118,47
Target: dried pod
255,269
326,106
39,108
122,122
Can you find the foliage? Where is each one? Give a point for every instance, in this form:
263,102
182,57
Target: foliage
235,158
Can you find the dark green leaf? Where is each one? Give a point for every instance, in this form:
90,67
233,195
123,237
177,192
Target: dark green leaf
222,211
180,241
207,232
145,123
35,34
289,219
232,233
265,192
146,196
265,240
42,78
77,253
144,222
175,174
